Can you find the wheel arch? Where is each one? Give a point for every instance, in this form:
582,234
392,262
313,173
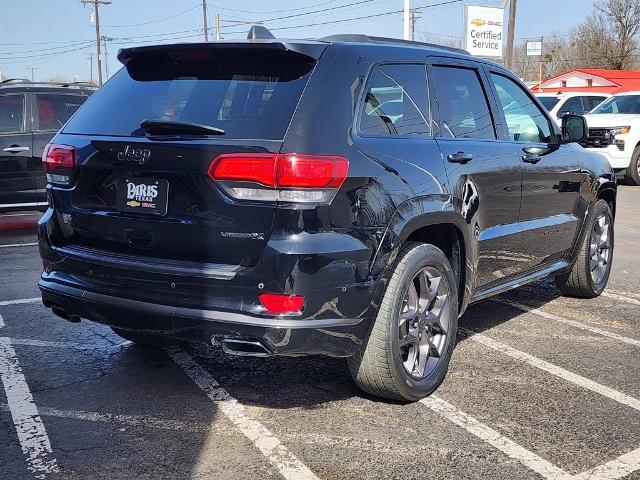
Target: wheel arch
434,221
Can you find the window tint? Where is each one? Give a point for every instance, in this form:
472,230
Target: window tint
593,102
549,102
396,101
573,105
11,113
525,120
55,109
248,93
620,104
464,111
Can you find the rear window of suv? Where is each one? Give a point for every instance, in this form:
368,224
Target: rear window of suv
246,94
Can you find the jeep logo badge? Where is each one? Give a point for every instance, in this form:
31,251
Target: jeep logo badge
131,154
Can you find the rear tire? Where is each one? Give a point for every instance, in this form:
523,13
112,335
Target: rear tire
590,274
144,339
632,175
406,356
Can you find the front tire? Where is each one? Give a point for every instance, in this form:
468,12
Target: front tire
590,274
407,354
632,175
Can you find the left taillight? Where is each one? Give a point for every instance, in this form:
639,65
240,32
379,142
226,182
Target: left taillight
58,163
281,177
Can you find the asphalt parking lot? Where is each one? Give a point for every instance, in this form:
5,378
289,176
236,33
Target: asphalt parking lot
540,386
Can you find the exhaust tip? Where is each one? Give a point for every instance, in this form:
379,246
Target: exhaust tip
244,348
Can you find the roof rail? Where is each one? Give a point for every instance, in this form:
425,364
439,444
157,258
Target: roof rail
59,84
357,38
15,80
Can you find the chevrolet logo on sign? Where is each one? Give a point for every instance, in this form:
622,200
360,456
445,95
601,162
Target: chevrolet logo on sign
133,203
478,22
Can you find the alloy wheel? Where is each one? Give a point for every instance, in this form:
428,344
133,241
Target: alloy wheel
423,324
600,249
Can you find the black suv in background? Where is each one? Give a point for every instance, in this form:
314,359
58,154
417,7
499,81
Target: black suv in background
30,115
347,196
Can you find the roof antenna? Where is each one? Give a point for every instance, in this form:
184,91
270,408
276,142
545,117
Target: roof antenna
258,32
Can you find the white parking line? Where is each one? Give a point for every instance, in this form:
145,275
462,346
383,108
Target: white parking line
620,292
1,322
554,370
612,470
616,468
18,245
509,447
125,420
32,435
573,323
278,455
621,296
77,346
20,301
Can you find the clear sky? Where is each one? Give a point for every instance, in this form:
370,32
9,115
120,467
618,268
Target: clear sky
55,36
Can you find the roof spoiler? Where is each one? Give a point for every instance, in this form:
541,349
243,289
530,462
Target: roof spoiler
313,50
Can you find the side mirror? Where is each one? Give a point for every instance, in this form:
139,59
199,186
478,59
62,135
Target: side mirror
574,128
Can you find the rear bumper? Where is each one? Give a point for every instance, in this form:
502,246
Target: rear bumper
338,337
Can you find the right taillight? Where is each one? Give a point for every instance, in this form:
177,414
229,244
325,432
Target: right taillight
58,162
282,177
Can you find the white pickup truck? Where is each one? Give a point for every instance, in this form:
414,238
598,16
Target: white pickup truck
614,132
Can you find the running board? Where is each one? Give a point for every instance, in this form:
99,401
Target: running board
519,281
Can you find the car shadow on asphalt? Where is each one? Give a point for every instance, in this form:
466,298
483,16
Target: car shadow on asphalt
312,382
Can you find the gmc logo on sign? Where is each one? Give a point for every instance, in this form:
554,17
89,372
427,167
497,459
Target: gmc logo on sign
131,154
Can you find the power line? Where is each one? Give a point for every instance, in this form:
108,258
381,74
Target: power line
296,15
273,11
155,21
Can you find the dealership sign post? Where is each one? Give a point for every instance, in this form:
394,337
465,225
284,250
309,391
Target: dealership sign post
484,31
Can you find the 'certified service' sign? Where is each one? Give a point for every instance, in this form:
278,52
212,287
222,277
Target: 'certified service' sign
483,29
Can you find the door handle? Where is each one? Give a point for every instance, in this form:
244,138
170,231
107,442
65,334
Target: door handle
531,158
460,157
15,149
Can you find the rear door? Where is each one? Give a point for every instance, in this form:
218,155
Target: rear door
483,173
16,168
51,112
149,192
550,213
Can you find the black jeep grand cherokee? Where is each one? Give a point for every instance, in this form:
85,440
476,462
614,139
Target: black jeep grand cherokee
348,196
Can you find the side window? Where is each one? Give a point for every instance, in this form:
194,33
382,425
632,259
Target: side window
573,105
593,102
396,101
11,113
55,109
525,120
464,110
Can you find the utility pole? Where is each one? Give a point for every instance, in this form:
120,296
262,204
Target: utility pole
510,36
96,8
204,20
541,66
106,39
415,15
90,59
218,36
32,76
406,21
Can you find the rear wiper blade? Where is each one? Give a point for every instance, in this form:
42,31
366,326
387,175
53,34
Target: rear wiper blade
172,126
